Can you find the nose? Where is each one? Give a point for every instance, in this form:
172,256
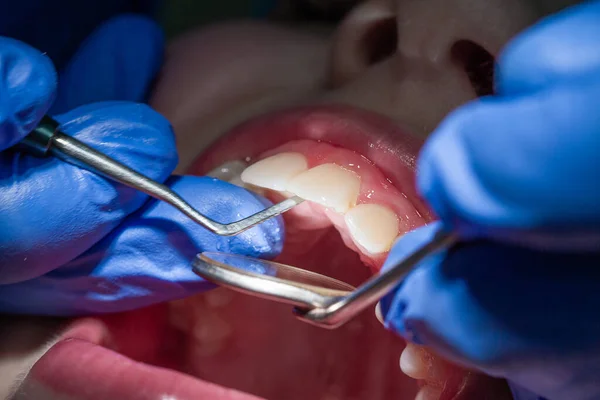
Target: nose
365,37
419,59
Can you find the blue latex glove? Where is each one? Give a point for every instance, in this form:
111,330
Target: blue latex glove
72,243
517,174
57,27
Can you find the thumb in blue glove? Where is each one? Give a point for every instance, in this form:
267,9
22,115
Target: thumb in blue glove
117,62
27,90
73,243
30,85
515,174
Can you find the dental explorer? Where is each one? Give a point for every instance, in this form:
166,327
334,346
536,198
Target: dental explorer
47,140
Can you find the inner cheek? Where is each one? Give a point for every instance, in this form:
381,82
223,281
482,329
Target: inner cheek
259,347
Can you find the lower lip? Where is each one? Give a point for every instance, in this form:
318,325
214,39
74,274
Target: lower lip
83,365
375,137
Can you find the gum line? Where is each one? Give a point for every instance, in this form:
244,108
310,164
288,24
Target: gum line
375,188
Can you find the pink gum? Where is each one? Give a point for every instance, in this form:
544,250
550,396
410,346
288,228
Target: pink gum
375,188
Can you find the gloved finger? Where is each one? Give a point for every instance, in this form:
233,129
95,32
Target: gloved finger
481,304
559,48
53,211
117,62
148,258
27,87
520,393
517,163
393,307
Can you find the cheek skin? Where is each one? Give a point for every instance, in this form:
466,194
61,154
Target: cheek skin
24,341
218,77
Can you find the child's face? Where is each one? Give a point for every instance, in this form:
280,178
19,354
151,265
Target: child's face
410,60
375,85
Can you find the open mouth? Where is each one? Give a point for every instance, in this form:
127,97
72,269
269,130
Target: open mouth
356,170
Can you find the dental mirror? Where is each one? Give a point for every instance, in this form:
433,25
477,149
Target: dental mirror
318,299
270,280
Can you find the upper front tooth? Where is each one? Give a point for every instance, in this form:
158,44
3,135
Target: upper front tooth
276,171
329,185
372,226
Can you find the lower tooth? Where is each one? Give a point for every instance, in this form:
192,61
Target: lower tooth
411,362
429,393
379,314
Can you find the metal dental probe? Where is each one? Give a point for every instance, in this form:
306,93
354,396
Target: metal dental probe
47,140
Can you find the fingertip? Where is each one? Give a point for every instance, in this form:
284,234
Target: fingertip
409,242
443,149
392,308
559,47
132,133
450,167
223,203
394,305
264,240
28,83
273,229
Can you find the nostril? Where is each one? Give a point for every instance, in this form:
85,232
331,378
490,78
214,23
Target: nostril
478,64
380,41
366,36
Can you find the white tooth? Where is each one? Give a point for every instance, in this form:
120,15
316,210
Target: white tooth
237,181
329,185
411,362
276,171
379,314
429,393
372,226
228,170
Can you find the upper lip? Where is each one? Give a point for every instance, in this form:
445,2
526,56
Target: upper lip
376,137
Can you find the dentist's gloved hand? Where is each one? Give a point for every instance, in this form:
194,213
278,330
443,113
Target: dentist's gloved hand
73,243
517,175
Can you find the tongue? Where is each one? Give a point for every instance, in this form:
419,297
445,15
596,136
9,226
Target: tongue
259,347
